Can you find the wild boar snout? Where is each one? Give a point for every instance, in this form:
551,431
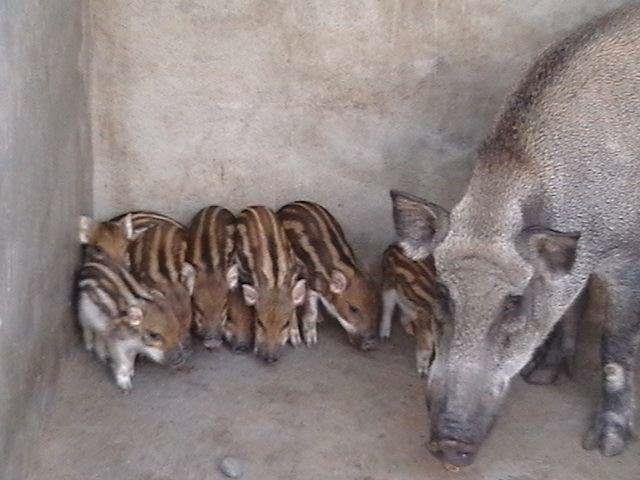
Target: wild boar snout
454,452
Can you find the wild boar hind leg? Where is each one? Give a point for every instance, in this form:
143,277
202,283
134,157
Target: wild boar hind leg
612,427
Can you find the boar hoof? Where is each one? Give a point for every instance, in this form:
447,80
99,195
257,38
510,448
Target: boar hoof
608,435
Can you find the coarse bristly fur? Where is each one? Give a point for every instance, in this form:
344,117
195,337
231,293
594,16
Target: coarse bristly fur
158,259
271,280
334,277
121,318
141,220
552,206
211,252
410,285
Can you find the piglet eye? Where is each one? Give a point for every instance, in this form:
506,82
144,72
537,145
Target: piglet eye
354,309
155,336
260,324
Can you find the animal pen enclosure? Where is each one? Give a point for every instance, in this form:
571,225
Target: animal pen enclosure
112,106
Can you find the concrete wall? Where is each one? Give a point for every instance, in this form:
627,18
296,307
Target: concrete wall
45,182
266,101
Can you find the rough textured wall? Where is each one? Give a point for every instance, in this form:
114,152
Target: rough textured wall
45,175
266,101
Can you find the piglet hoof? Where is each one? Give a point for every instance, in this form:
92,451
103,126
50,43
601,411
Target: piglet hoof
608,435
311,337
294,337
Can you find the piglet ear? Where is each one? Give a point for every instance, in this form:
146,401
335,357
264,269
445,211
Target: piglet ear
421,225
126,225
232,276
250,294
338,282
550,251
134,316
86,226
188,277
299,292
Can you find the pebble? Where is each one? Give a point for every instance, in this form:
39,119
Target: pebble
231,467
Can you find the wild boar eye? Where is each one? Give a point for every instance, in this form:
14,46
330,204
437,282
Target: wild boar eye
512,305
354,309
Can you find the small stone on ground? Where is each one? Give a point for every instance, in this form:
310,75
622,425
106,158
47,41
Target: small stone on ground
231,467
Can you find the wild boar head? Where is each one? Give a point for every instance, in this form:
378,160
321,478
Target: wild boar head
499,297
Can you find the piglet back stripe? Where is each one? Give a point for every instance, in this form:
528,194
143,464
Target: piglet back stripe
336,232
415,279
264,248
315,232
159,253
142,219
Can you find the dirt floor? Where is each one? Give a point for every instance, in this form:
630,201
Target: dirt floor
330,412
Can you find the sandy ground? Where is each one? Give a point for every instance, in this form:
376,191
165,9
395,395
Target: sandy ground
330,412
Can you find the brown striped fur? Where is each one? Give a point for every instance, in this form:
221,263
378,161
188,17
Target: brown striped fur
411,286
270,279
333,274
210,250
158,259
144,219
122,318
239,327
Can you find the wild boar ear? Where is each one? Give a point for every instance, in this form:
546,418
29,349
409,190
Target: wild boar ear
299,292
232,276
338,282
134,316
126,225
549,250
188,277
86,226
250,294
421,225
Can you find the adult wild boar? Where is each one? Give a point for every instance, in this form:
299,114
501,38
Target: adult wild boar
553,204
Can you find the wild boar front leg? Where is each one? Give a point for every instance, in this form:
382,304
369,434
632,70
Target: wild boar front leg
87,336
310,319
389,301
122,362
101,347
612,427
